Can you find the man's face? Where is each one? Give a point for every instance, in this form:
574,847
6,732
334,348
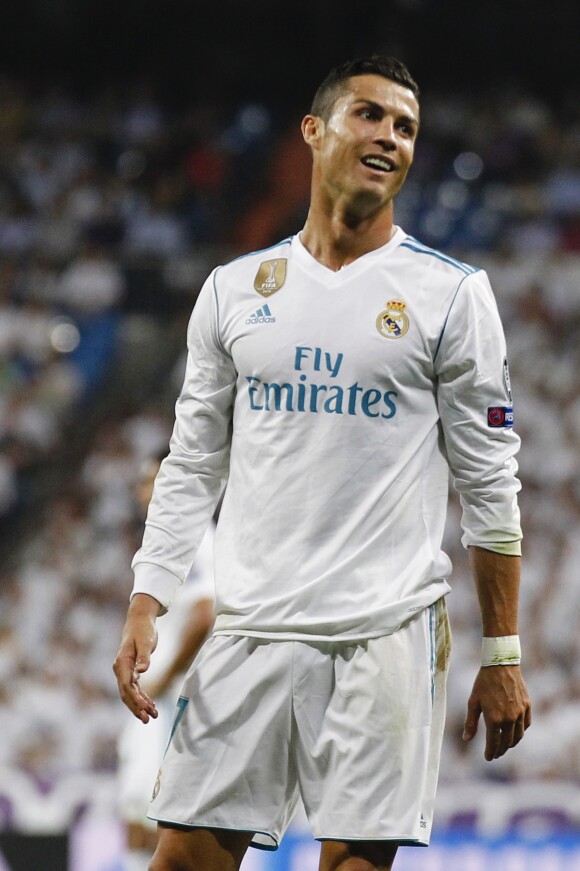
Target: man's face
365,149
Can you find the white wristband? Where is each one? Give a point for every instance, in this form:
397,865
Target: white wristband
503,650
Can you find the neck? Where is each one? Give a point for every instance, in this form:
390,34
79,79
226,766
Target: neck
337,237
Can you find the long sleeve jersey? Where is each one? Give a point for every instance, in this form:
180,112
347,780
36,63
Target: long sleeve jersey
334,405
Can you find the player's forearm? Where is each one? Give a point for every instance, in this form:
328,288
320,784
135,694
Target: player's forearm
497,580
144,605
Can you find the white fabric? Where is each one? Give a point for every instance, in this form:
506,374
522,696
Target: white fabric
354,727
501,650
337,474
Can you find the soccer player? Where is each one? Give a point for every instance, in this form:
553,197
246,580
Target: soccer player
333,380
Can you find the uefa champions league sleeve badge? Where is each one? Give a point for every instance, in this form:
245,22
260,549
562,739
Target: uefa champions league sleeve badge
270,276
394,321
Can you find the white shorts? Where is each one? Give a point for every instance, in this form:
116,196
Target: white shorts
355,728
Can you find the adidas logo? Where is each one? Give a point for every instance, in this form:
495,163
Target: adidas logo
262,316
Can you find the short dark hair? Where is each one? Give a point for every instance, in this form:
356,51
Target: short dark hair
376,64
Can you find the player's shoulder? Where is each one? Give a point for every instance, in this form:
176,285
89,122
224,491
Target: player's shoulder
421,256
263,265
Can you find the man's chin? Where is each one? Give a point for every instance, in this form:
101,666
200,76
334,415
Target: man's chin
368,201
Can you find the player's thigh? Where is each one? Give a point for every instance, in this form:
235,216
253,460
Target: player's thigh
183,849
357,855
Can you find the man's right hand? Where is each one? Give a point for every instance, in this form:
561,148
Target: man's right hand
138,642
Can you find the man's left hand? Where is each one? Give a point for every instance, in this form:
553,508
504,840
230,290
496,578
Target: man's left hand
500,694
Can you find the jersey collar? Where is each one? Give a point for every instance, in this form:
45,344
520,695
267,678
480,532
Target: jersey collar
318,270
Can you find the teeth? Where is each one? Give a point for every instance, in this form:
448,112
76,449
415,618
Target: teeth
379,163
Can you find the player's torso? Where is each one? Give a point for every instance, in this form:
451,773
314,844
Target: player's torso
357,343
335,446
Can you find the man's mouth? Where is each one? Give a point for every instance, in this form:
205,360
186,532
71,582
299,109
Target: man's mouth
383,164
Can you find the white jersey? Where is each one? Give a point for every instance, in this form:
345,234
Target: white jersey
333,404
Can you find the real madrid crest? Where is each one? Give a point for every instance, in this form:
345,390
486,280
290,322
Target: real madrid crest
270,276
394,321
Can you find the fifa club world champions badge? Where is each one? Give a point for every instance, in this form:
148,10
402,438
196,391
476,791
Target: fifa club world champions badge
270,276
394,321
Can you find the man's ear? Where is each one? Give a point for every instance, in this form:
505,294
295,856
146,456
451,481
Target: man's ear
312,130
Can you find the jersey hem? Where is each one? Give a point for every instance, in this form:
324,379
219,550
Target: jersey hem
330,636
303,636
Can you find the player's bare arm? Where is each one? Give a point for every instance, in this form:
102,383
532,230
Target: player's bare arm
138,642
499,692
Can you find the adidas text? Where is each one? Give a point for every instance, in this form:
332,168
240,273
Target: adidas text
262,316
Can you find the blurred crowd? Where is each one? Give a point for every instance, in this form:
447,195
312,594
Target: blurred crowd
109,206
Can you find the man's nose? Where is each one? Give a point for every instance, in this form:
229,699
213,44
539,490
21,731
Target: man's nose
386,134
